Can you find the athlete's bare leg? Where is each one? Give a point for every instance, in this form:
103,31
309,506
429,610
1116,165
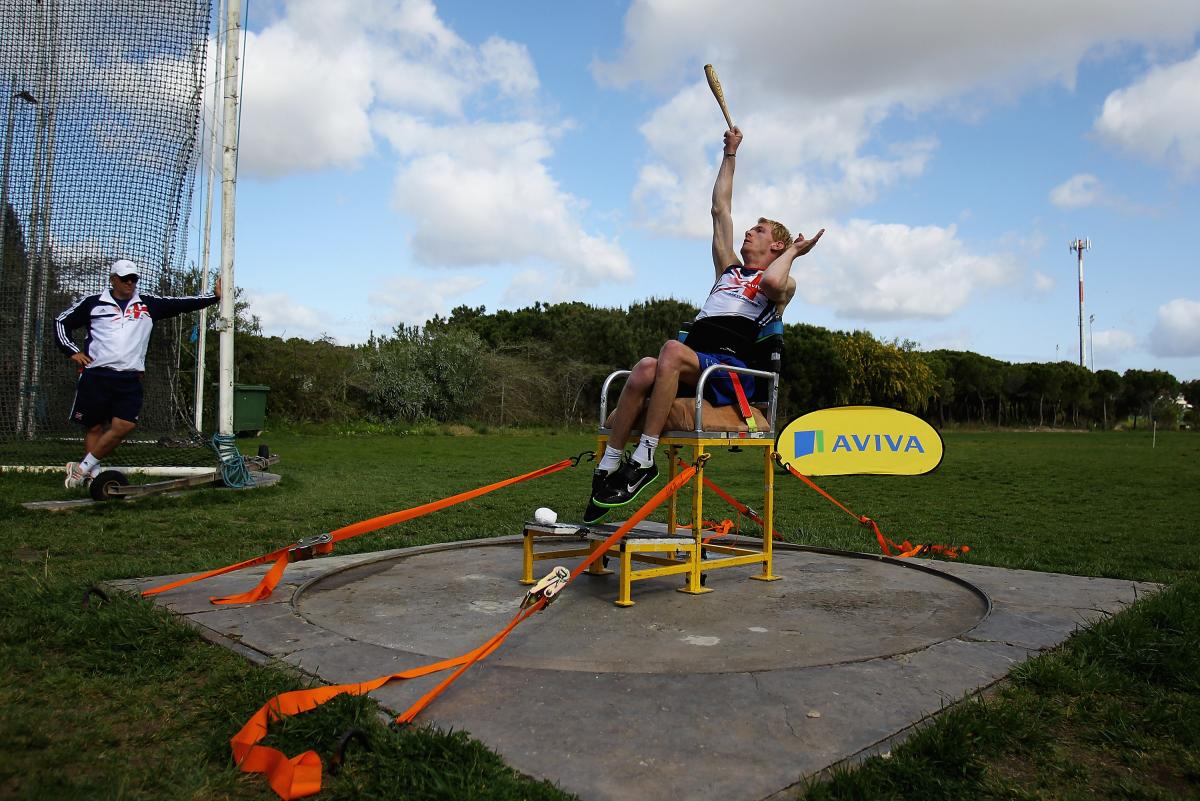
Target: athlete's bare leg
676,363
102,441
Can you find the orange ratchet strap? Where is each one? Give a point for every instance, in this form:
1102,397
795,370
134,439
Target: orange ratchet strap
736,504
323,543
301,775
904,549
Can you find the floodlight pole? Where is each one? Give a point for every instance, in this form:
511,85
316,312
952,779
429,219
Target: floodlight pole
1080,245
228,187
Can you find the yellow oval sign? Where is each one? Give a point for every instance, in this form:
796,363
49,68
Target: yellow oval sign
860,440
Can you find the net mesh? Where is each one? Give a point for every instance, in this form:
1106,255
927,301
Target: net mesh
100,114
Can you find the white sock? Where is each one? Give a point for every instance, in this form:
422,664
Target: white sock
643,454
89,464
611,459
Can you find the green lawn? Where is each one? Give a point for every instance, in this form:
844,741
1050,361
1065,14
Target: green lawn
120,701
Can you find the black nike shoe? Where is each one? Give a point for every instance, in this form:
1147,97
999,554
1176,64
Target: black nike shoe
625,484
594,513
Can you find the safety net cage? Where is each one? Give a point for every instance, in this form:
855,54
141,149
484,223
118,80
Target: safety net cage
100,115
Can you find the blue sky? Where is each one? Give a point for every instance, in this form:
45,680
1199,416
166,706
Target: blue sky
403,157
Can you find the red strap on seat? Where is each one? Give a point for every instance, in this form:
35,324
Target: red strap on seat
902,550
743,403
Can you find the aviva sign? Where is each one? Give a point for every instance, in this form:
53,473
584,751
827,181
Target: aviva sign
860,440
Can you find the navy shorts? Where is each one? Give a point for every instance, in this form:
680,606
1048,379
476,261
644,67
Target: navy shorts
101,395
718,389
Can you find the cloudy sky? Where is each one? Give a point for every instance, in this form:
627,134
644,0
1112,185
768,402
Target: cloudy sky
402,157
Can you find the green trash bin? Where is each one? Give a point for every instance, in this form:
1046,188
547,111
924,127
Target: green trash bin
249,409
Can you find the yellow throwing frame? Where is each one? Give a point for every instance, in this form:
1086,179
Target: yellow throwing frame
676,553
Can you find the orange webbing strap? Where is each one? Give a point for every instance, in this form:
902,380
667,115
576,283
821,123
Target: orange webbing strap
902,550
601,550
743,403
721,529
258,560
738,505
301,775
265,587
354,529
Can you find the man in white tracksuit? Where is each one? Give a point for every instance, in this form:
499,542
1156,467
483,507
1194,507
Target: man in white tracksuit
108,395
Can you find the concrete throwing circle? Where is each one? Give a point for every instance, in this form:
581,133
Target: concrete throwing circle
827,609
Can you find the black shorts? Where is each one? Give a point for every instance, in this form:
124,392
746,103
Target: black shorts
101,395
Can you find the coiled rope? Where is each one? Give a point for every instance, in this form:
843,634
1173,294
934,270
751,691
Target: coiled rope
234,472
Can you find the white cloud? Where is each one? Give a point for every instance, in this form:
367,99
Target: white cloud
480,193
872,271
1177,329
1111,345
282,316
314,77
304,104
1078,191
415,298
913,51
330,83
1041,282
809,83
1158,117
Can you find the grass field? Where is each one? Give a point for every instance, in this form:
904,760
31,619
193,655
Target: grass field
120,701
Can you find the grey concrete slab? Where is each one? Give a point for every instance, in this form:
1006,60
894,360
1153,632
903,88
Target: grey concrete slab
735,694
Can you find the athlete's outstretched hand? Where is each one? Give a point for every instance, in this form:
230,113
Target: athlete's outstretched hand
803,245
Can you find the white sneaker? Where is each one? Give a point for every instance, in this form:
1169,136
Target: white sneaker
75,476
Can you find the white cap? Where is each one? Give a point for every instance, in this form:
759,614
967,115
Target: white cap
545,517
123,267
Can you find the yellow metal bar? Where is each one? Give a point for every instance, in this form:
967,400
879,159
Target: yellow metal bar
673,508
623,594
733,561
656,560
527,558
597,567
731,549
655,572
540,555
768,516
692,585
654,547
716,442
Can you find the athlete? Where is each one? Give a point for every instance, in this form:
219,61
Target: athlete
749,292
108,395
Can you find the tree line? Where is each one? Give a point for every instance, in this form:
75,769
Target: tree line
544,365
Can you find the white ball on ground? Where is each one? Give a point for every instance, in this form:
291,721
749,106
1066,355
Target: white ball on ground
545,516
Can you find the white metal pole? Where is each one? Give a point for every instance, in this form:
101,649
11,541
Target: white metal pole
228,187
207,236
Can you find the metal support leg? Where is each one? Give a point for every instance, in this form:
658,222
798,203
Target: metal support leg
597,568
673,508
768,515
692,585
527,558
623,594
